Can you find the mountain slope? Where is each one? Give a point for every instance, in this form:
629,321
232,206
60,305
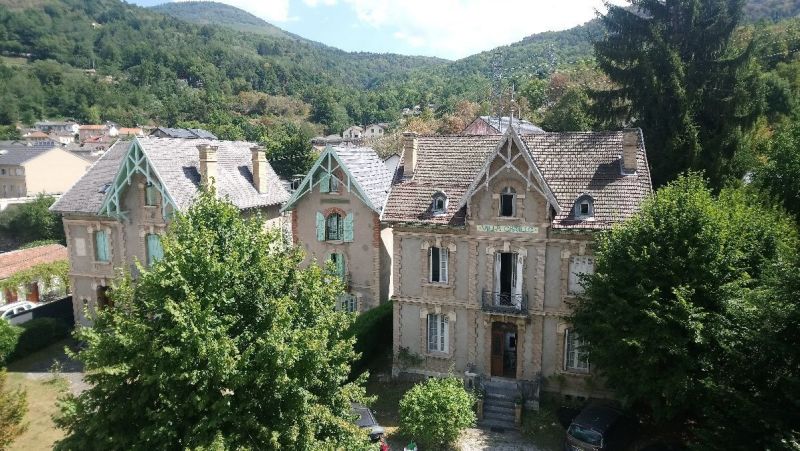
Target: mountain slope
213,13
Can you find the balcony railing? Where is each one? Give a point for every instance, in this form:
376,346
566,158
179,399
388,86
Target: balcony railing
504,302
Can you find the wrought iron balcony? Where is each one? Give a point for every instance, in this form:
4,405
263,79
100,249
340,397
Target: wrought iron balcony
504,302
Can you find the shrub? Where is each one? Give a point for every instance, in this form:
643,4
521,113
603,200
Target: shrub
13,405
436,411
37,334
9,335
373,332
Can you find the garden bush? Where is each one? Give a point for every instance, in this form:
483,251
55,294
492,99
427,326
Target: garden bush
37,334
435,412
373,332
9,335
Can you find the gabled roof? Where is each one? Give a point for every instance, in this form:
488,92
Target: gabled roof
371,179
22,259
579,163
501,124
444,163
177,165
570,165
18,155
186,133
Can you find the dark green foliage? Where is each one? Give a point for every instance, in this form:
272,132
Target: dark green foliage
13,406
569,114
663,312
224,343
37,334
32,221
780,176
8,339
682,78
8,132
373,332
435,412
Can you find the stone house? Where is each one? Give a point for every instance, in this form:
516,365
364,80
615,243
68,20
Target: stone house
114,215
491,236
85,132
374,130
336,220
28,171
352,132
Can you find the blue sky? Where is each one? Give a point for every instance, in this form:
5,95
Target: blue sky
449,29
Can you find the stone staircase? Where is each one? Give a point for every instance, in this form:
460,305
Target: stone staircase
498,404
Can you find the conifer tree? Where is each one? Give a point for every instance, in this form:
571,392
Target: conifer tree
681,76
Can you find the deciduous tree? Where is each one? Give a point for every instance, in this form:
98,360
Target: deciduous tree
223,343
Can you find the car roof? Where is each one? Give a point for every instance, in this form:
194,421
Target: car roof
13,305
598,417
365,418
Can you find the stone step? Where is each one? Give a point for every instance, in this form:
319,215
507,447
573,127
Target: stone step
501,395
494,416
499,402
502,410
499,426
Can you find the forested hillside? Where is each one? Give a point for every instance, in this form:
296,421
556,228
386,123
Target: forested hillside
94,60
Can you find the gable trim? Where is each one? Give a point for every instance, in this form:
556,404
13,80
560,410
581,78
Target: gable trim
533,168
308,183
134,162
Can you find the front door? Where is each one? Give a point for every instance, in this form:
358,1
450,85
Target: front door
504,350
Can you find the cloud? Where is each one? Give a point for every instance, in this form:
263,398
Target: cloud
457,28
314,3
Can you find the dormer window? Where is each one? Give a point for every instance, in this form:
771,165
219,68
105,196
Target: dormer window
584,207
507,200
439,205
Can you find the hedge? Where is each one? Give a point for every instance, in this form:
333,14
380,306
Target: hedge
373,332
38,334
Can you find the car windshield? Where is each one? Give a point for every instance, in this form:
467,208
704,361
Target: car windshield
585,435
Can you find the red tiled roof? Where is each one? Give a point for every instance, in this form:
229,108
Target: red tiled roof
20,260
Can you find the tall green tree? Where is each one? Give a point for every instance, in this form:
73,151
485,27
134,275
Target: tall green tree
661,313
780,174
681,77
223,343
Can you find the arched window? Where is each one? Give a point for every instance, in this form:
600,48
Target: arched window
507,202
334,227
584,207
439,204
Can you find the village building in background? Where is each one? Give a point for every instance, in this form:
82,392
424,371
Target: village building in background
498,125
184,133
28,171
27,285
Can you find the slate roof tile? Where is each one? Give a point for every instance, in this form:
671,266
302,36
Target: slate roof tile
369,171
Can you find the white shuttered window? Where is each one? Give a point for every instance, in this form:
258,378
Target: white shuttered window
579,266
438,333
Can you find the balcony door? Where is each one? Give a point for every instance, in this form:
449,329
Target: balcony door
508,279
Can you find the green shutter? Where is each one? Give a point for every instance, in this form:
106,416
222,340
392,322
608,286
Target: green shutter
348,227
154,250
320,227
101,246
325,183
340,266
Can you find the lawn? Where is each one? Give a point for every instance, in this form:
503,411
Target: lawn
543,427
43,392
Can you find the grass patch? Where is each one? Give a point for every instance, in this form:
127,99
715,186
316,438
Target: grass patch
543,427
43,394
14,60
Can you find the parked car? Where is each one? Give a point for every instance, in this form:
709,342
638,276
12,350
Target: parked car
600,427
366,420
9,311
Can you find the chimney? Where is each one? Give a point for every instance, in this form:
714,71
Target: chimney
630,148
208,162
259,169
409,153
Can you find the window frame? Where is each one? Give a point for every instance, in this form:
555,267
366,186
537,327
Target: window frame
439,197
339,227
442,254
576,359
587,201
574,286
508,192
438,333
150,195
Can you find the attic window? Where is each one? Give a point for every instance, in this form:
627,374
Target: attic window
507,198
584,207
439,205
